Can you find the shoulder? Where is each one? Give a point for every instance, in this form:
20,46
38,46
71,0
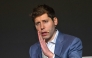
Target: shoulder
72,40
69,39
34,47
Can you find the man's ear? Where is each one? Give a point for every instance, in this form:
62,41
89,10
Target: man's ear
55,20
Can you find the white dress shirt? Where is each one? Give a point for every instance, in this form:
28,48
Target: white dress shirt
51,45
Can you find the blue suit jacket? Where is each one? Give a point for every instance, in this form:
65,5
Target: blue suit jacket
66,46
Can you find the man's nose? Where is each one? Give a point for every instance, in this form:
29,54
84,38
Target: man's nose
41,26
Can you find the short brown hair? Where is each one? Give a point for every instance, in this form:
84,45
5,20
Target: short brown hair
42,9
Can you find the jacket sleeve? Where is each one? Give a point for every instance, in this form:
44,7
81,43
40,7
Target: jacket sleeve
75,50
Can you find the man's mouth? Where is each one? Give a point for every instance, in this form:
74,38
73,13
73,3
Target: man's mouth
44,33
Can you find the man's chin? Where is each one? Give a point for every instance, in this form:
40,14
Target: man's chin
45,37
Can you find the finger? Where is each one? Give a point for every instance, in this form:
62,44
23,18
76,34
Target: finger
40,37
44,40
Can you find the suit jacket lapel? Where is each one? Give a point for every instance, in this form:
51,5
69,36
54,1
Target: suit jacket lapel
58,45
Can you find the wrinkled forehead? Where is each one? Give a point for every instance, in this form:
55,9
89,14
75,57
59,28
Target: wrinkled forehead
42,17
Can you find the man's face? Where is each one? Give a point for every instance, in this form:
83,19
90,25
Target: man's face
45,25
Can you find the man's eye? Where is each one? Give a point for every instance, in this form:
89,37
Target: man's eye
36,23
45,21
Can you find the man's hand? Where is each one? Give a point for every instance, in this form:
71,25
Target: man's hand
44,47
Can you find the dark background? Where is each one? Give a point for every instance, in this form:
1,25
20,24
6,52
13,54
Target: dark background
17,32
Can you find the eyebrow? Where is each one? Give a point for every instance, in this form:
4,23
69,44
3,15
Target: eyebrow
44,20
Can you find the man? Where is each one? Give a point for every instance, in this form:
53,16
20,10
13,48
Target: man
52,43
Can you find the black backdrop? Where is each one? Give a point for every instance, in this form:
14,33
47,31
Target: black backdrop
17,32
